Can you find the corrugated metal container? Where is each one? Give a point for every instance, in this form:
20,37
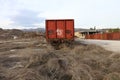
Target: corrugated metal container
60,29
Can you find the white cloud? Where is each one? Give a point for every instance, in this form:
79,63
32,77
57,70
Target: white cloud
4,23
87,13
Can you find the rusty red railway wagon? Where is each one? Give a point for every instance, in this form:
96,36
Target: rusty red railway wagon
60,30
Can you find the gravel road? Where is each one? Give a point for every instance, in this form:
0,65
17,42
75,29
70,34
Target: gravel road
112,45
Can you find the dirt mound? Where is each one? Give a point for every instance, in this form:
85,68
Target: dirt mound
56,66
82,63
15,33
35,60
10,34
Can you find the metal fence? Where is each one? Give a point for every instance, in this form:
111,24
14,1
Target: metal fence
104,36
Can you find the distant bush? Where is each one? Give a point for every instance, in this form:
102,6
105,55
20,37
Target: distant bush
1,29
114,30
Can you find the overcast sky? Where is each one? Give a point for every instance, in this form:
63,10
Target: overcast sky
32,13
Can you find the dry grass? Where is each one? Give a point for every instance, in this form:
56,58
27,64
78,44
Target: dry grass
112,76
39,61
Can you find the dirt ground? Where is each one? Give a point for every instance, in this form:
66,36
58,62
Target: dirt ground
34,59
111,45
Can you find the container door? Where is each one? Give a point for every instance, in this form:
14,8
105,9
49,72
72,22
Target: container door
51,27
69,29
60,29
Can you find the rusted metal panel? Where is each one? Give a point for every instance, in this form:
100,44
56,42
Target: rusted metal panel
69,29
92,36
60,29
97,36
105,36
116,36
110,36
100,36
51,29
